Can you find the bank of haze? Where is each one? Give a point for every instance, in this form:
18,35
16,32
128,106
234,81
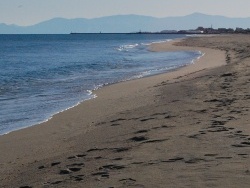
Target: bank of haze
185,128
125,24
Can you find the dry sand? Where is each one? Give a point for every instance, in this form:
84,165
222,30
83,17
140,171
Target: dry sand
187,128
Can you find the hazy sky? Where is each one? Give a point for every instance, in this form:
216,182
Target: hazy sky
27,12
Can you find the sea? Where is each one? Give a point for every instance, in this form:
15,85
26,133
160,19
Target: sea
42,75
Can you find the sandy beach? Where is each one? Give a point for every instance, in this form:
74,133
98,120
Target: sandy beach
186,128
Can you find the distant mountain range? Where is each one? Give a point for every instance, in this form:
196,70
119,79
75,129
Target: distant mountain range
125,24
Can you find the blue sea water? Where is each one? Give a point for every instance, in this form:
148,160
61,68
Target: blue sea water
41,75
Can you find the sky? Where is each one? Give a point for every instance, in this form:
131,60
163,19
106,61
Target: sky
29,12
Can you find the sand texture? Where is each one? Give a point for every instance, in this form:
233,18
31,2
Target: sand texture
187,128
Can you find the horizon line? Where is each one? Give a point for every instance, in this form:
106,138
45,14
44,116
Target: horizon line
13,24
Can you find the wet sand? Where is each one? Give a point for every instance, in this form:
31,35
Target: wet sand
187,128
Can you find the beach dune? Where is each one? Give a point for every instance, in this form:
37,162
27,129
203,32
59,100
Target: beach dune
186,128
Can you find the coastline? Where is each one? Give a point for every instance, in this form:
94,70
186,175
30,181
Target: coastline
92,92
102,119
168,46
49,114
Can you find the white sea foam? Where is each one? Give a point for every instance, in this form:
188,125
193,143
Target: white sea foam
89,93
197,59
156,42
162,41
131,46
126,47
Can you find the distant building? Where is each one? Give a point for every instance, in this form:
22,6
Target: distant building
190,31
169,31
248,30
239,30
225,30
201,29
211,31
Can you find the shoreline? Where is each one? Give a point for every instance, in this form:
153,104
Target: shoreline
150,80
165,128
93,95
